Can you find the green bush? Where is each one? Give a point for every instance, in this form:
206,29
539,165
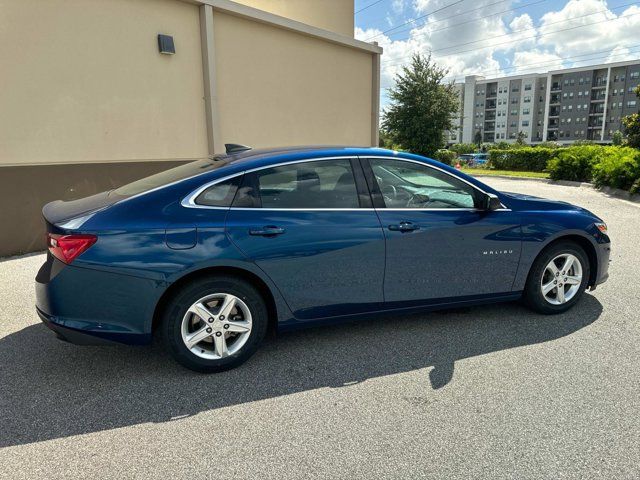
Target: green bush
575,163
618,167
523,159
445,156
462,148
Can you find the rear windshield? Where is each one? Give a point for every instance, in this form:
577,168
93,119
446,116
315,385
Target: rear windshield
166,177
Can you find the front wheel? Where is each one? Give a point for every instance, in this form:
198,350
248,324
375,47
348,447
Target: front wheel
214,324
557,279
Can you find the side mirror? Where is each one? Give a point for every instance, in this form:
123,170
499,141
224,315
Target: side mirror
492,202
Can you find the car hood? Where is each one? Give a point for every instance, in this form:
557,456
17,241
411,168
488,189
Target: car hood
519,201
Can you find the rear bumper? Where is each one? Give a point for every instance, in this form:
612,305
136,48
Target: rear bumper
94,307
71,335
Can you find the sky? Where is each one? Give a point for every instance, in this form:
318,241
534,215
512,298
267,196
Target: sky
495,38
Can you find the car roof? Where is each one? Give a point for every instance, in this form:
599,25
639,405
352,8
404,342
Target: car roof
257,158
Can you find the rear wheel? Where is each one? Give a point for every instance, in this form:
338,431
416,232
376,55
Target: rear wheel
558,278
214,324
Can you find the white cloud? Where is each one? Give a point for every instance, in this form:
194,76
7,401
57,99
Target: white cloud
480,38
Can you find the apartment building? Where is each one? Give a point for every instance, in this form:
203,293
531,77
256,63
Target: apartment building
584,103
98,93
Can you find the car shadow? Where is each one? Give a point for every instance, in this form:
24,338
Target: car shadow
51,389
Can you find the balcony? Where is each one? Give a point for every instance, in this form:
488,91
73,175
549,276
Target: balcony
492,94
490,116
490,105
556,86
598,97
600,82
554,99
552,136
553,123
554,111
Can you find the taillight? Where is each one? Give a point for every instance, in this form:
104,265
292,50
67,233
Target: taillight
67,247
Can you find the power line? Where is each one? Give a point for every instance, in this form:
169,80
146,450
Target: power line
414,19
466,12
538,35
473,19
368,6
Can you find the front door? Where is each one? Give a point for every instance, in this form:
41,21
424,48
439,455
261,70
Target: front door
306,228
440,243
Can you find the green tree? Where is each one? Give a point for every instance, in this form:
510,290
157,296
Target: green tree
520,140
617,138
421,108
477,139
632,125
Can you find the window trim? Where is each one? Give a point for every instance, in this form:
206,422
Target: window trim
376,195
189,200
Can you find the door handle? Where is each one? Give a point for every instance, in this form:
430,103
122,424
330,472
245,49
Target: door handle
404,227
268,231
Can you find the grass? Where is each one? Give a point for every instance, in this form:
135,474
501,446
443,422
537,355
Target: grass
508,173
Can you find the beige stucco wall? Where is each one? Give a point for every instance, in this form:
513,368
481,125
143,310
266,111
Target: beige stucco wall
277,87
82,81
333,15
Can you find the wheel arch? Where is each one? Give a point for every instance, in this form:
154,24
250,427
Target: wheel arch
263,288
587,246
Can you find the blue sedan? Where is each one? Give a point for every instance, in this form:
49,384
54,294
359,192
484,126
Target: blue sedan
212,254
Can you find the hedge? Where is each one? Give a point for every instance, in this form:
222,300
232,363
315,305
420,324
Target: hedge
618,167
525,159
445,156
575,163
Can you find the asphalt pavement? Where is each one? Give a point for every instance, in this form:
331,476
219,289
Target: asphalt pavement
488,392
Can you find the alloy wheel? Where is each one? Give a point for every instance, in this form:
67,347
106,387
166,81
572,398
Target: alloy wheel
561,279
216,326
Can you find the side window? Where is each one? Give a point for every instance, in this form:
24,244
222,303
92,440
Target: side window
219,195
411,185
319,184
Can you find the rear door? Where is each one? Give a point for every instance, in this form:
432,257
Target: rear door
439,243
310,227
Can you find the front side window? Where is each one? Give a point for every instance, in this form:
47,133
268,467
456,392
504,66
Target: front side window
412,185
306,185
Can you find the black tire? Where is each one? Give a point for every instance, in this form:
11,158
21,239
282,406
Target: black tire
182,300
533,296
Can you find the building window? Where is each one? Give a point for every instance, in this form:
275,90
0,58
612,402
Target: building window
634,75
566,81
570,94
525,123
513,125
564,95
527,86
526,111
515,89
568,120
514,112
581,81
631,104
527,99
570,107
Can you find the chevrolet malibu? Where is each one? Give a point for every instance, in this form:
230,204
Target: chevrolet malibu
212,254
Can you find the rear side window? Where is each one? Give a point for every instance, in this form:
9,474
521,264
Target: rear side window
319,184
219,195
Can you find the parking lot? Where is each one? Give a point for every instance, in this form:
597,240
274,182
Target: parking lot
486,392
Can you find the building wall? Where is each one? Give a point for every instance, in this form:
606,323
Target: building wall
305,90
82,81
333,15
585,103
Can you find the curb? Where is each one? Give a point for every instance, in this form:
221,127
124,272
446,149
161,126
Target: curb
566,183
608,191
